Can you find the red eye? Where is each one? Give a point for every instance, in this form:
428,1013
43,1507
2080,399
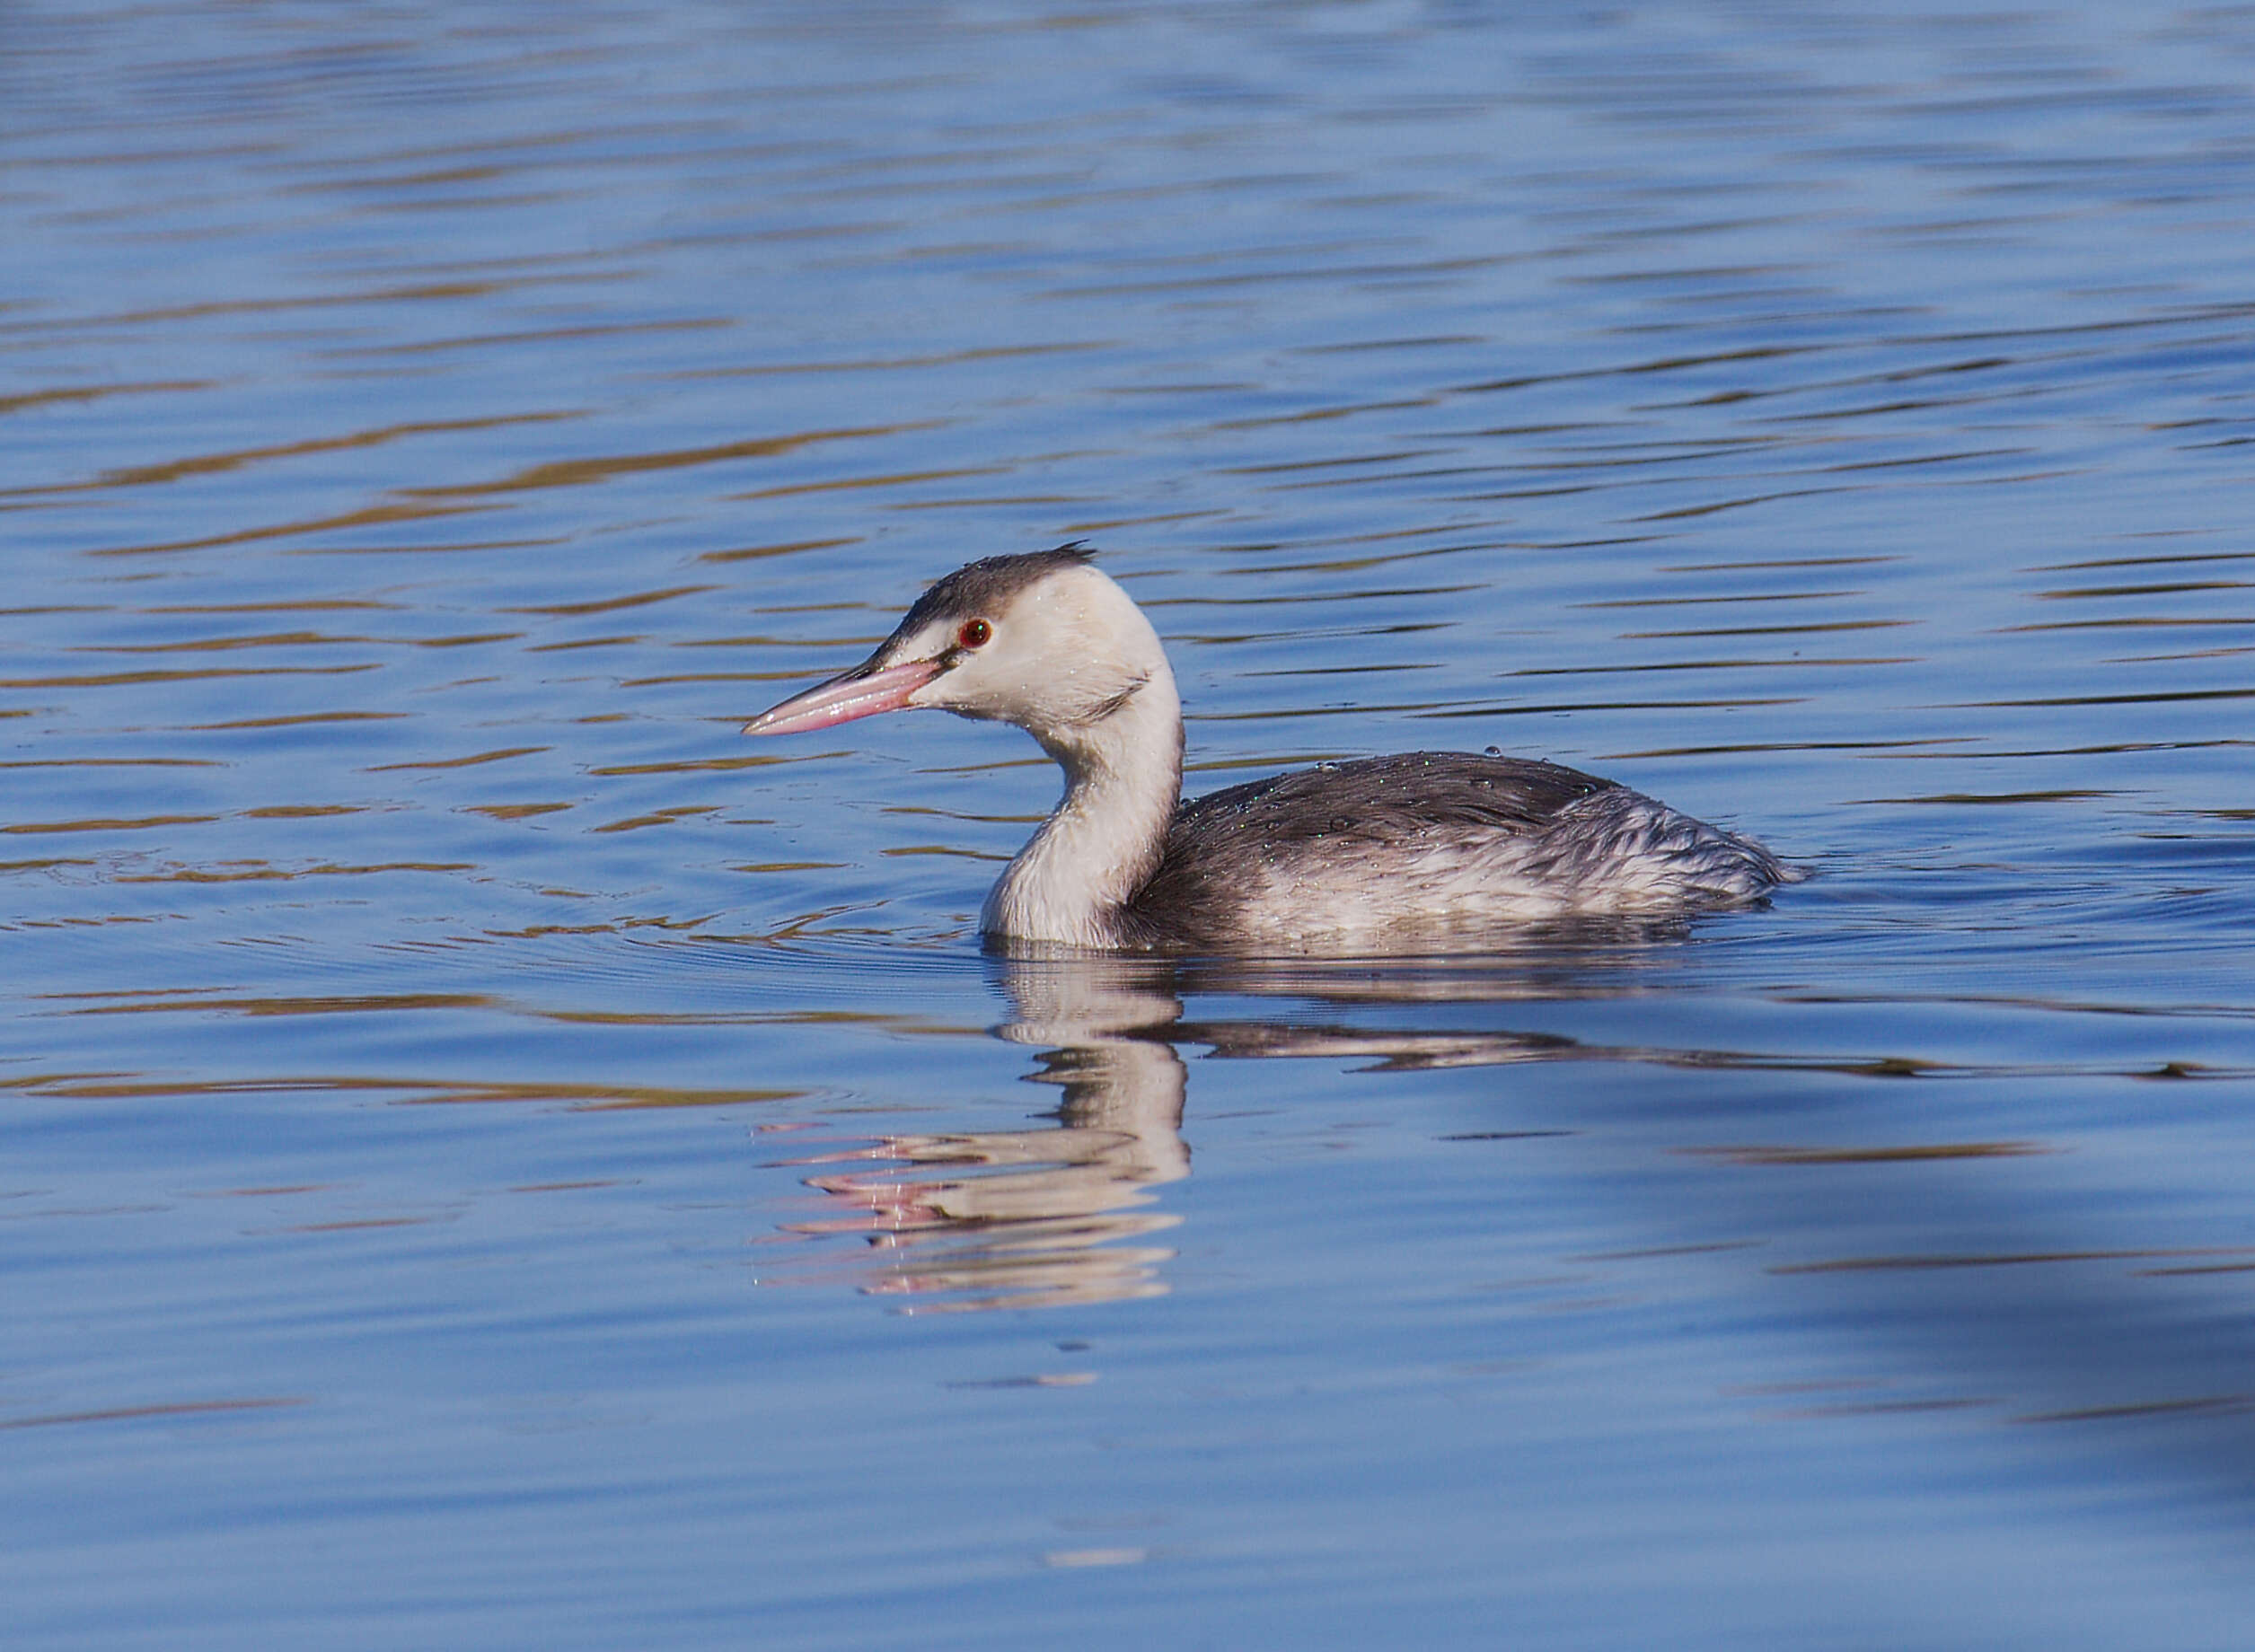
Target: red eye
976,634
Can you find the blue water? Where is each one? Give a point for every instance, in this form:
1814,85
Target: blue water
494,1159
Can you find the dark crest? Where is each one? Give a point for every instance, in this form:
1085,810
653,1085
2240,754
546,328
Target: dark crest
982,586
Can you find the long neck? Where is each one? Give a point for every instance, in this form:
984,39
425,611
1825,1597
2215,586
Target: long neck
1123,776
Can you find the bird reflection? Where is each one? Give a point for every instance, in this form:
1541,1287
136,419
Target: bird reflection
2002,1294
1041,1216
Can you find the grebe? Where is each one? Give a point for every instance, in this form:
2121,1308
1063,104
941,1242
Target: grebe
1340,858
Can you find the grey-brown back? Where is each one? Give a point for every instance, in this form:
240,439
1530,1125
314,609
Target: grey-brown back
1221,848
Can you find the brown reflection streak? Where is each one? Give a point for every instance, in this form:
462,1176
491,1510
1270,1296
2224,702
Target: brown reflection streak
297,639
296,605
113,825
88,923
1804,629
1868,1156
2196,1267
750,552
607,1098
1756,747
111,679
661,817
321,301
1351,596
258,871
2169,697
179,1408
468,639
2203,1405
1870,1264
997,501
534,335
1685,511
412,1091
1740,664
951,358
895,478
1885,1408
1426,710
2177,589
295,1006
687,766
2130,622
674,677
215,463
689,1018
1295,273
2112,748
297,720
1325,415
2187,654
2064,795
1292,467
497,755
1758,563
358,1224
424,547
579,472
1704,601
1544,707
373,517
641,599
2176,560
90,393
117,763
1666,363
1926,459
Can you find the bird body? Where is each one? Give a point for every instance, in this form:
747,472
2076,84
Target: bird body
1346,857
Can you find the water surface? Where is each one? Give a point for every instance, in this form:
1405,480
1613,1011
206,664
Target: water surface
494,1159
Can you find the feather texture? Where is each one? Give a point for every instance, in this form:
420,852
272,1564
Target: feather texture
1364,856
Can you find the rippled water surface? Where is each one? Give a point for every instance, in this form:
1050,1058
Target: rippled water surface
494,1159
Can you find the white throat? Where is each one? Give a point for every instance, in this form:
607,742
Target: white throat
1122,778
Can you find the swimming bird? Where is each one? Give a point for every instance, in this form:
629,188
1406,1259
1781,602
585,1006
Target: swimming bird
1371,854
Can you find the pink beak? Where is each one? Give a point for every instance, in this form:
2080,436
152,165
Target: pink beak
858,693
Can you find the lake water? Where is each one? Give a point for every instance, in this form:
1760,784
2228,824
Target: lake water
495,1160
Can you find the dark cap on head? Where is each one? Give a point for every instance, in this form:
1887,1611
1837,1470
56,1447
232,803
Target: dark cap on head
980,587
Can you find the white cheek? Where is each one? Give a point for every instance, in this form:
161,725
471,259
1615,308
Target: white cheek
972,683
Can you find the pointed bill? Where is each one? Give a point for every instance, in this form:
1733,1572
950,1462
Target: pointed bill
858,693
